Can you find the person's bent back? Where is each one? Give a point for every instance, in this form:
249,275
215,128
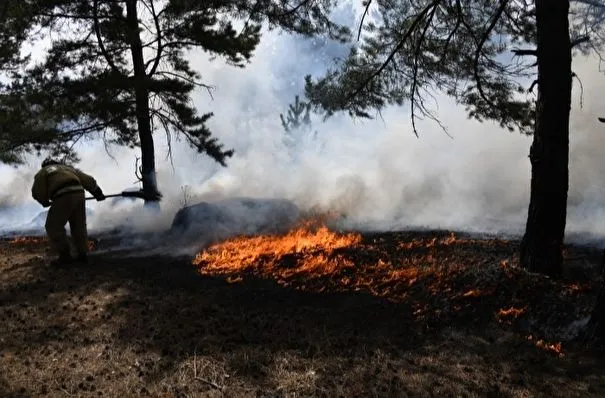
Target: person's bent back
62,187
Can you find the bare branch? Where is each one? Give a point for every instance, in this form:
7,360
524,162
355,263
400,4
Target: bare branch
573,74
73,16
579,41
368,3
188,80
415,70
399,46
158,56
100,39
293,10
451,35
480,45
522,52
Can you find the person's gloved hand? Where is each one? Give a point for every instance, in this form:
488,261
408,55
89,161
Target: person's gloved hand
46,204
98,194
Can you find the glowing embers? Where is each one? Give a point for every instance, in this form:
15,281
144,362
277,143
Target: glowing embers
27,240
508,315
555,348
36,240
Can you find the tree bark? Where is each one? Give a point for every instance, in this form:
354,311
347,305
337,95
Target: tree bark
542,244
143,114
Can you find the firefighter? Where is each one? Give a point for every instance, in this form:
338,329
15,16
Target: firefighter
61,187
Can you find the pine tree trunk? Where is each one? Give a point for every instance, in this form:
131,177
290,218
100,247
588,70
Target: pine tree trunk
542,245
142,106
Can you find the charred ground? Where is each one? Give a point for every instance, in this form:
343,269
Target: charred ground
419,313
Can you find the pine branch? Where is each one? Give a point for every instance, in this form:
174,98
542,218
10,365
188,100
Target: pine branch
415,70
398,47
486,34
158,56
100,39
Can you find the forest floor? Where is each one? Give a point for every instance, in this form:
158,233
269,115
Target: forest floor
422,314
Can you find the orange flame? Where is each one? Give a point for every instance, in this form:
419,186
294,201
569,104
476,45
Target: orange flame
244,252
508,315
555,348
316,259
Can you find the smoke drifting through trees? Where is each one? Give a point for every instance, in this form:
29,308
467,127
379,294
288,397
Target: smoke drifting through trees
376,172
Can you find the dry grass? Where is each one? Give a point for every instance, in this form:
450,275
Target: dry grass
156,327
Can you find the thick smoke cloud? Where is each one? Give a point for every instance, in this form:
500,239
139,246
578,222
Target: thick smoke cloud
376,173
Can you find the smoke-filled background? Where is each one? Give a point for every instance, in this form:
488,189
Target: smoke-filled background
376,172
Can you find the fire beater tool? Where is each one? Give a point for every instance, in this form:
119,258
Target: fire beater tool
124,194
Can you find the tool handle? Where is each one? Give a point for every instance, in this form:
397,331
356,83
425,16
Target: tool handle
107,196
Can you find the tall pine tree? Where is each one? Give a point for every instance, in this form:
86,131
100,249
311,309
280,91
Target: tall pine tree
462,48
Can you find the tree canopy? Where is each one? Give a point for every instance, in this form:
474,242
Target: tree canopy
409,50
106,56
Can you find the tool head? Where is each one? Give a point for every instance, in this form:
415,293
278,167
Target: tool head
133,194
141,194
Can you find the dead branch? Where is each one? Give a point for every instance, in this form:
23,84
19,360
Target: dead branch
158,30
573,74
196,377
293,10
367,4
579,41
450,36
138,170
415,70
522,52
100,38
533,84
479,49
188,80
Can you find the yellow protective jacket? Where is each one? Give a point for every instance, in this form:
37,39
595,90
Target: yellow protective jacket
58,179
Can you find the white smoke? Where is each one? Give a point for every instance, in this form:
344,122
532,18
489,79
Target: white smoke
376,172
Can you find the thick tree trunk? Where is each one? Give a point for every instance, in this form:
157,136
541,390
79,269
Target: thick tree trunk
542,245
142,106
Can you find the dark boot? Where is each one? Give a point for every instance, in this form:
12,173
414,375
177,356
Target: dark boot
64,260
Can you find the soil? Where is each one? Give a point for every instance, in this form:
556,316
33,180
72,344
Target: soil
466,323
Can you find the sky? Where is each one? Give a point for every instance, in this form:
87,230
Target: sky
374,171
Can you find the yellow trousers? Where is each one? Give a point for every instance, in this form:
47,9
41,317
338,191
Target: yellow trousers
71,208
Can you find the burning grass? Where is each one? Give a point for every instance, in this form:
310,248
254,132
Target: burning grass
555,348
439,275
313,258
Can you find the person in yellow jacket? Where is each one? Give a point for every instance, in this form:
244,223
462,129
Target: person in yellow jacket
62,187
